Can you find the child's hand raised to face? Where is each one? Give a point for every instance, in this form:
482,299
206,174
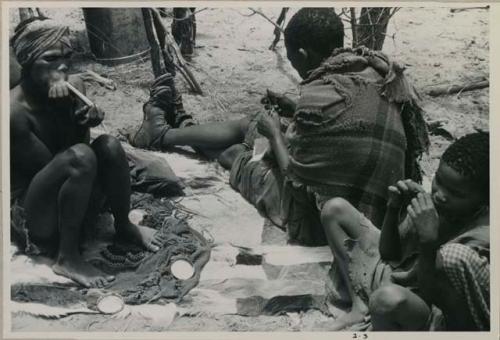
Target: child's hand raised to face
425,218
403,191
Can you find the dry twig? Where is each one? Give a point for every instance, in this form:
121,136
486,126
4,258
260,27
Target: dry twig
277,32
457,88
278,27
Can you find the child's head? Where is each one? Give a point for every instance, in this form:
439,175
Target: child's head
311,36
461,185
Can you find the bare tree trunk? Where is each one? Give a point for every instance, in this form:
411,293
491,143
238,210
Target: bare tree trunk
277,32
153,43
354,27
371,28
183,26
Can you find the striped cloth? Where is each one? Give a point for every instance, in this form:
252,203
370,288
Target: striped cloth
34,38
466,265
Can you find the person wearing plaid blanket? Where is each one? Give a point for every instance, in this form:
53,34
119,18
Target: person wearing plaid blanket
435,261
355,129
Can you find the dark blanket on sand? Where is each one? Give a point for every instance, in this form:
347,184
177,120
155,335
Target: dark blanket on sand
152,174
141,276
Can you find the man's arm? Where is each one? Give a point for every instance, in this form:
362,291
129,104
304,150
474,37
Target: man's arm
269,127
280,151
28,153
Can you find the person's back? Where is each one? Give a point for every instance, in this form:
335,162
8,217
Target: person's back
349,137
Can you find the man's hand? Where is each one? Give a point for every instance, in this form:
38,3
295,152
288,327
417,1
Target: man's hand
403,191
269,125
280,103
89,116
57,85
425,218
58,89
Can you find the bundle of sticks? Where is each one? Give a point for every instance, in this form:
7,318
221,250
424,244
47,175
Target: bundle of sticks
162,42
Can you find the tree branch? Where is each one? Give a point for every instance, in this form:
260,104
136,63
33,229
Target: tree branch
436,91
277,32
278,27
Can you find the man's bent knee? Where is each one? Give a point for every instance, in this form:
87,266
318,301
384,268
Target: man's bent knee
334,209
81,160
107,147
107,143
387,300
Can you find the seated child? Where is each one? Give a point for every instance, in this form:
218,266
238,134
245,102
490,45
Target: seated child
436,260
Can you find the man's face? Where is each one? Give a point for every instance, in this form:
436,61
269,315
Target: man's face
51,66
454,195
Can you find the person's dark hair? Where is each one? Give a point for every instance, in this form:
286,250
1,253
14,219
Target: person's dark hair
470,156
317,28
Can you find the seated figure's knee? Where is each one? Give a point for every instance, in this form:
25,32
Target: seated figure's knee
81,160
387,300
334,208
107,147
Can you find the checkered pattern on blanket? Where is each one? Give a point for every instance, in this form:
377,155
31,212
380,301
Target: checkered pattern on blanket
469,274
348,141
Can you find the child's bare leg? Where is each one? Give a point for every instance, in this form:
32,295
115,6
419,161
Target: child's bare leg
55,206
114,179
395,308
341,221
219,135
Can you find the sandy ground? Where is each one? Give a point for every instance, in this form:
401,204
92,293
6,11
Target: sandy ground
234,67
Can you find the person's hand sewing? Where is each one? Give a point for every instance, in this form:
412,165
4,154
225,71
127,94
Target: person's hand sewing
269,125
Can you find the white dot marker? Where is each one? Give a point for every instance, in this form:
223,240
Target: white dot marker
182,269
110,304
136,216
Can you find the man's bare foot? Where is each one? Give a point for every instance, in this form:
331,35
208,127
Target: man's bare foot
354,317
146,237
81,272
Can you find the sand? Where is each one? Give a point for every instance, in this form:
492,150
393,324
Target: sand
234,67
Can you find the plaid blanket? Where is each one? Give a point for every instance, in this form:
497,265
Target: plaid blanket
348,138
466,264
